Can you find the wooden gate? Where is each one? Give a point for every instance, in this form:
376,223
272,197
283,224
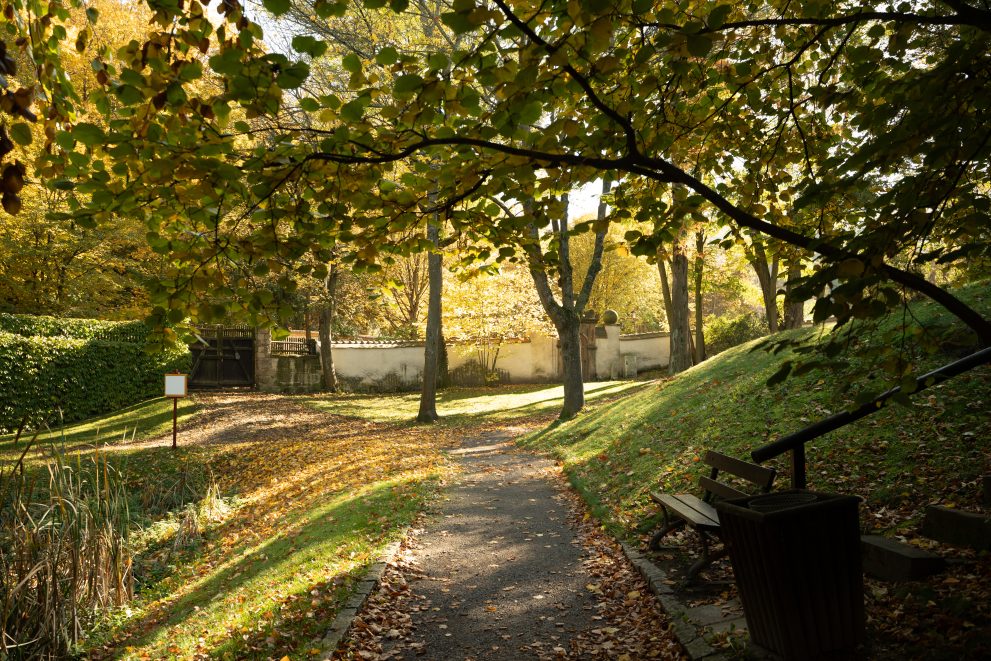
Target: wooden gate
223,356
586,334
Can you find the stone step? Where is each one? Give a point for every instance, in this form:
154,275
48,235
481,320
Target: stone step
959,528
891,560
986,490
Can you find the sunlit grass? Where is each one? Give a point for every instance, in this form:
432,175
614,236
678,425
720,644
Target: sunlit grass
146,419
899,459
302,517
462,405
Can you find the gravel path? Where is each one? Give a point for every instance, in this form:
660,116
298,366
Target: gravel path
505,571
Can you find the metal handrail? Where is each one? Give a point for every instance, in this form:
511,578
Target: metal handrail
796,441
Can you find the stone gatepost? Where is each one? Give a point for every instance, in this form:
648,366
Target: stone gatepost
265,366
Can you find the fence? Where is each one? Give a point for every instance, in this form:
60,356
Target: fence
294,346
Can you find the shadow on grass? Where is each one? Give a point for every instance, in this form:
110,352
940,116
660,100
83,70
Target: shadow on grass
262,586
146,418
458,406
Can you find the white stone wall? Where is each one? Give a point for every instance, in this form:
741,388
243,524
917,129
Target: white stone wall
399,366
378,364
652,350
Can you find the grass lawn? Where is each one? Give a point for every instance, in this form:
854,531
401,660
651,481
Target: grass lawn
246,548
459,406
152,417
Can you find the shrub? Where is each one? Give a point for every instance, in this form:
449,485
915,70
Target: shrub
78,329
721,333
76,378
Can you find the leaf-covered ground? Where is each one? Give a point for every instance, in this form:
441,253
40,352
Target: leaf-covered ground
898,460
249,537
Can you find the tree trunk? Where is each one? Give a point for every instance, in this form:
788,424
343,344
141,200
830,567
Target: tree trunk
569,332
794,308
767,275
681,349
329,374
699,269
662,270
431,352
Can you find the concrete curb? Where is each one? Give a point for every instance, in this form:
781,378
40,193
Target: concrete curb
686,630
345,618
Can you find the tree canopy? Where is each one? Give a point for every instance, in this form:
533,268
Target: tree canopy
856,136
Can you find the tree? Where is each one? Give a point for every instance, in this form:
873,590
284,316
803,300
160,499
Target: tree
485,308
549,256
698,272
431,353
626,284
627,90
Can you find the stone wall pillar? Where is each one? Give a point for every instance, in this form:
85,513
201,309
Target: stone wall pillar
608,362
265,366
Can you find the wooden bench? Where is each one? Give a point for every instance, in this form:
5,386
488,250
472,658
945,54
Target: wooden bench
698,513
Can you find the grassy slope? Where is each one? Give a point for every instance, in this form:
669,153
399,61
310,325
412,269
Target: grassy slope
898,459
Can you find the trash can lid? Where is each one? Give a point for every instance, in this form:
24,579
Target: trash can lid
780,501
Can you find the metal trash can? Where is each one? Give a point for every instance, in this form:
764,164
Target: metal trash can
796,558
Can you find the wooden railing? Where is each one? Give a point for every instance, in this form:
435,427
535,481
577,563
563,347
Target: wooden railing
295,346
795,443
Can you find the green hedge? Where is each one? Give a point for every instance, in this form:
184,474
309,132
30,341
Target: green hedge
78,329
42,376
721,333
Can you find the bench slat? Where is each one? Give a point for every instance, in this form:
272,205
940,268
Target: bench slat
692,509
759,475
720,489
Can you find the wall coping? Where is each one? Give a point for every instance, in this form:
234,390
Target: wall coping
645,336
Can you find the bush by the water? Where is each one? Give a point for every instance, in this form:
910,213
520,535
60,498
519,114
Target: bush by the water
78,329
76,379
722,333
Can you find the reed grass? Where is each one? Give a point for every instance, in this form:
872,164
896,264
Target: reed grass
64,552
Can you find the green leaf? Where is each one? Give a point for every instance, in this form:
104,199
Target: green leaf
387,56
407,84
88,134
277,7
312,46
699,45
309,104
850,268
351,62
531,112
353,111
293,76
457,21
21,134
438,61
717,17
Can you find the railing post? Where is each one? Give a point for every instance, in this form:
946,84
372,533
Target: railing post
798,480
